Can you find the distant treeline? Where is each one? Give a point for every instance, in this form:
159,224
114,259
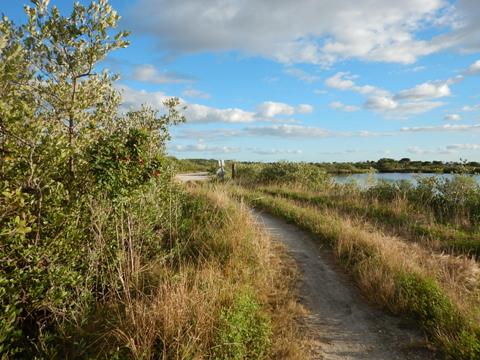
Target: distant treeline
384,165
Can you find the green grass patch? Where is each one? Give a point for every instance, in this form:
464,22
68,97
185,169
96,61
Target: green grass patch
245,330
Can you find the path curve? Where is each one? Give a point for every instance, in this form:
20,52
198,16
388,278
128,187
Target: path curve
341,323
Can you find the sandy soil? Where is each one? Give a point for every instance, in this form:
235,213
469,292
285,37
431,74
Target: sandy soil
341,324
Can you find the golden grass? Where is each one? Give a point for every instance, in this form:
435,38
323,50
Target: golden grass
399,275
163,311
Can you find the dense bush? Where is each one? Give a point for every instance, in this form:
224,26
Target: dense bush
303,174
64,146
453,200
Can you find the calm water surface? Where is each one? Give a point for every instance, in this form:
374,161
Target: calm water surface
365,180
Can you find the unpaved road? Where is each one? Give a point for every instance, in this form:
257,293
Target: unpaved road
199,176
341,324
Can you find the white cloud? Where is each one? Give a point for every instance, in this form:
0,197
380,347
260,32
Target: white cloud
301,74
442,128
288,131
318,32
275,151
420,151
300,131
470,108
205,114
449,149
473,69
428,90
133,99
345,152
464,147
196,94
337,105
282,131
271,109
405,103
202,147
344,81
452,117
149,73
197,113
304,109
206,134
392,108
381,103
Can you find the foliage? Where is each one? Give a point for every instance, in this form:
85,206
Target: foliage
64,143
283,172
244,332
454,200
383,165
194,165
103,254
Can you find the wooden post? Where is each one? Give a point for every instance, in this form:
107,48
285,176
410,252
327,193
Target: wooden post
233,171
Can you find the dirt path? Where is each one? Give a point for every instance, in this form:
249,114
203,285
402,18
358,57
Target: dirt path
199,176
341,323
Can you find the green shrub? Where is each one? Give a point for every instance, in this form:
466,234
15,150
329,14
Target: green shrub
67,151
429,305
244,331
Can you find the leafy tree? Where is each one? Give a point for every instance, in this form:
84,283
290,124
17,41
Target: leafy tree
63,142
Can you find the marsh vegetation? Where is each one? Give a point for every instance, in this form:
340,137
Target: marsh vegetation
411,249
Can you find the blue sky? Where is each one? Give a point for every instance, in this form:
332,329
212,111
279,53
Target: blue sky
325,80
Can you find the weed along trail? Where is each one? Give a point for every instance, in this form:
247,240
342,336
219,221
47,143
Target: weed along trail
342,324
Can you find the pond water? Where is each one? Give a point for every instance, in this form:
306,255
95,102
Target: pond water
365,180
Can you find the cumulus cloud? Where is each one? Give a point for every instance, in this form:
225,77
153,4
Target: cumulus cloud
415,100
149,73
197,113
337,105
392,108
473,69
133,99
318,32
270,109
381,103
204,114
428,90
407,102
344,81
452,117
196,94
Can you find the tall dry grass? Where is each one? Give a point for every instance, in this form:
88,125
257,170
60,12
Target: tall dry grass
175,306
397,217
441,292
